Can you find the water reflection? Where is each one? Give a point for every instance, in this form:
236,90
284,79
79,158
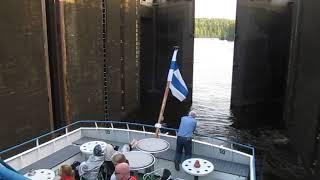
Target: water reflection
213,60
256,124
259,125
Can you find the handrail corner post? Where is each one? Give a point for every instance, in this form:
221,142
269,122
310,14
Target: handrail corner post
37,142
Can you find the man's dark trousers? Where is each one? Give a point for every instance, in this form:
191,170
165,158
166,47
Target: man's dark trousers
186,144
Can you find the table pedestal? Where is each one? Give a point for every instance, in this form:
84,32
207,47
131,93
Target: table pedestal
149,169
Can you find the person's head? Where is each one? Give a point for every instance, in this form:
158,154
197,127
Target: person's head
192,114
66,170
97,151
109,152
119,158
122,171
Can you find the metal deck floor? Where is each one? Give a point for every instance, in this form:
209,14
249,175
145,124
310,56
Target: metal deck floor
215,175
223,169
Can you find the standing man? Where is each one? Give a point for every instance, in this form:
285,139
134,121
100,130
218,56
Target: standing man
187,126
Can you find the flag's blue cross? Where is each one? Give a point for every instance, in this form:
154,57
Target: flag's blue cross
174,65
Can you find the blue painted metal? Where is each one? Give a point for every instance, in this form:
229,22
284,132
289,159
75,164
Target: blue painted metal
6,165
6,173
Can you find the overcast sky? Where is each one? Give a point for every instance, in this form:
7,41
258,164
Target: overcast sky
216,9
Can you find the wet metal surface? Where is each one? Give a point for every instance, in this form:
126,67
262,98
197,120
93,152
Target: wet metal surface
23,72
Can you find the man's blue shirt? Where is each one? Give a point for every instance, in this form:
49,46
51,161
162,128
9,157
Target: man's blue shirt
187,125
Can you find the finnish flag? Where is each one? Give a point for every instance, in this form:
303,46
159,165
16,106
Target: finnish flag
177,86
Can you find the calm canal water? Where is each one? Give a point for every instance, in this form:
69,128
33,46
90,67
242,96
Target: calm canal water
213,61
212,79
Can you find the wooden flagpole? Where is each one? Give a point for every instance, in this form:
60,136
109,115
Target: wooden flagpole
164,102
163,106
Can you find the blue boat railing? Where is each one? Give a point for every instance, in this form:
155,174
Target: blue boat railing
122,125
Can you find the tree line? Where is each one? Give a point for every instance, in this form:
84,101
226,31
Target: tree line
223,29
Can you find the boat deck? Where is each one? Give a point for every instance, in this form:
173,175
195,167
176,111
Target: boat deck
223,169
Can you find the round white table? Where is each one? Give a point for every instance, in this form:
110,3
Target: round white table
40,174
87,148
205,168
139,160
153,145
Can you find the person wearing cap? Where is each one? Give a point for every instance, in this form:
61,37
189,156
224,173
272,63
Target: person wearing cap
90,168
187,126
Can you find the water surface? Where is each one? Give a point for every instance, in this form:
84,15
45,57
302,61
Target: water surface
213,61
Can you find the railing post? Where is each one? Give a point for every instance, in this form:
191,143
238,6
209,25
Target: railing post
66,131
144,129
21,162
37,145
96,125
128,128
111,125
212,145
54,145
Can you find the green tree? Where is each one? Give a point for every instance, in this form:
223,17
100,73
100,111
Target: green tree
215,28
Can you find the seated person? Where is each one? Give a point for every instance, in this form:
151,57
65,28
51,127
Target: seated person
117,159
127,147
122,172
66,173
108,167
109,152
90,168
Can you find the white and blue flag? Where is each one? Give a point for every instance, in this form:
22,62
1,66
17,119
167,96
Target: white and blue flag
177,85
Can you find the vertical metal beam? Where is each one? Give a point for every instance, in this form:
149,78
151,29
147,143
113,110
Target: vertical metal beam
123,8
138,51
46,56
293,63
155,48
316,146
104,49
60,8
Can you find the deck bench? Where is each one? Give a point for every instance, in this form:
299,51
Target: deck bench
54,159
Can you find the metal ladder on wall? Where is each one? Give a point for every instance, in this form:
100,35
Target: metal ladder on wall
104,50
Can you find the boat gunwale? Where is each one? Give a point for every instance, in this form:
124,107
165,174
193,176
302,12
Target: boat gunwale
114,122
36,139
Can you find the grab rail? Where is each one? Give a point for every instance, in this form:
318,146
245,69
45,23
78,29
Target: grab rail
36,139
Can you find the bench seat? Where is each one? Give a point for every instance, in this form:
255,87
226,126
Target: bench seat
54,159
